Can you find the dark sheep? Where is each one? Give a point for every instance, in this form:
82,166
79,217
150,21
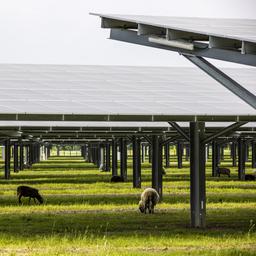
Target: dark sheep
116,178
29,192
225,171
249,177
149,198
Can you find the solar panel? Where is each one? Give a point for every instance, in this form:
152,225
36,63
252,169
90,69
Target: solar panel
239,29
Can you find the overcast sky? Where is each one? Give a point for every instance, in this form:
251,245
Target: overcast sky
63,32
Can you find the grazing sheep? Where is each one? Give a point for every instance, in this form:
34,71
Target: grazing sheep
225,171
249,177
116,178
102,167
149,198
29,192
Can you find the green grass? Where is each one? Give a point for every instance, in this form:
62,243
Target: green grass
85,214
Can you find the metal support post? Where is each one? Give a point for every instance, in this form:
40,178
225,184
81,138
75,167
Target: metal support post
222,152
241,159
107,157
208,151
149,153
233,153
214,158
218,154
114,157
167,154
142,153
21,155
179,154
136,162
123,159
246,151
157,172
187,152
253,154
7,155
197,174
15,158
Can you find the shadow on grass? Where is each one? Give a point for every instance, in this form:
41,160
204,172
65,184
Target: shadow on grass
169,224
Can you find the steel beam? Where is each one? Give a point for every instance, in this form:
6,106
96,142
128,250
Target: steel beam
169,140
157,169
224,79
136,162
224,131
180,130
131,36
197,175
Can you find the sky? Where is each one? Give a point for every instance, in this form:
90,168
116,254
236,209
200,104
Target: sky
63,32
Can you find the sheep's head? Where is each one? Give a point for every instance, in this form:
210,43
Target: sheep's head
141,206
40,198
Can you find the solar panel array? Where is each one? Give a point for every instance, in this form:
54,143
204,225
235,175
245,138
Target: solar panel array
118,90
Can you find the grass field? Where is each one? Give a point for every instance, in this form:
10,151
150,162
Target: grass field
85,214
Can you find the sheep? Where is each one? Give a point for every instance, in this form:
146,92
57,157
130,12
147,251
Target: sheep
116,178
149,198
29,192
249,177
225,171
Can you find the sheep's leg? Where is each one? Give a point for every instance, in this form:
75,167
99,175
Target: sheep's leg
29,200
20,199
34,200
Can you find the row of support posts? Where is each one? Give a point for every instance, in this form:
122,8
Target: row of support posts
21,158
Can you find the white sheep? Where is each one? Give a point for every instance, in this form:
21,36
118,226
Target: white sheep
149,198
